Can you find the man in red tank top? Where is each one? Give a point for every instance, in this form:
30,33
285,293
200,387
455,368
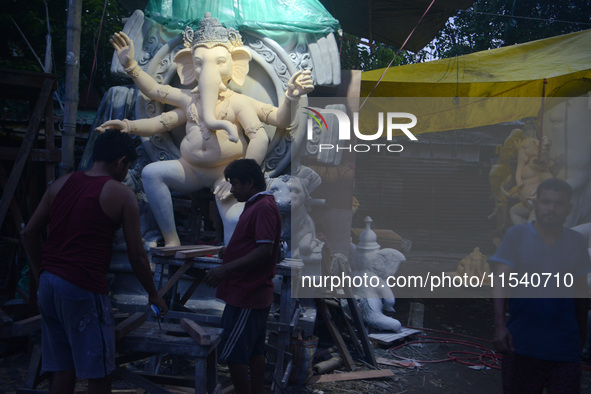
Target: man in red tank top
82,211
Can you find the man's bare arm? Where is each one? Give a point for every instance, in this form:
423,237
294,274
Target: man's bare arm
32,234
130,220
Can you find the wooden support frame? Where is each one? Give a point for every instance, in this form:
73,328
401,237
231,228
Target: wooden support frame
37,89
129,324
25,149
335,334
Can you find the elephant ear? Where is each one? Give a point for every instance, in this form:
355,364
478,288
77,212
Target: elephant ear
240,57
185,67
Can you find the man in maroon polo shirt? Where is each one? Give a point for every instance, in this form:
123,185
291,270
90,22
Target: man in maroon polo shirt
244,280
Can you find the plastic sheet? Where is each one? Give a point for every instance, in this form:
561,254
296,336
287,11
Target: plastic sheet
305,16
563,62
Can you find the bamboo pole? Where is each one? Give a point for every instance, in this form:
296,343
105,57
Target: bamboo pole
72,76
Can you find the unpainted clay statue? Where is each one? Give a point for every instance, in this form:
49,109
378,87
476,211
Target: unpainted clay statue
502,174
221,125
368,258
292,195
475,264
530,172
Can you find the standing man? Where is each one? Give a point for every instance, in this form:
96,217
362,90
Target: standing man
82,211
543,338
244,280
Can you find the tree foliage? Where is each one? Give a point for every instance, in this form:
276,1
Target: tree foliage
357,55
486,25
30,16
492,24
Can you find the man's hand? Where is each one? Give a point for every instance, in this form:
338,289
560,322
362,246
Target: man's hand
215,275
159,302
503,340
124,47
299,84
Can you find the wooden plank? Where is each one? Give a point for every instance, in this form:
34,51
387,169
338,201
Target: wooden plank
196,332
25,327
34,367
388,337
28,81
25,149
198,279
186,254
43,155
335,334
175,278
15,210
49,141
4,318
164,381
358,375
365,342
139,381
171,250
129,324
397,363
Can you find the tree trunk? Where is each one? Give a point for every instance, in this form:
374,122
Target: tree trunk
72,76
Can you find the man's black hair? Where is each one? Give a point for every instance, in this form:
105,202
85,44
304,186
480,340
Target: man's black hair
112,145
557,185
245,170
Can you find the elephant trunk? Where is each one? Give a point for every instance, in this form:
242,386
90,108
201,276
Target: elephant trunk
209,88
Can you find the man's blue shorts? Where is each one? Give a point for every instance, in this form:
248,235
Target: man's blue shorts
77,330
244,334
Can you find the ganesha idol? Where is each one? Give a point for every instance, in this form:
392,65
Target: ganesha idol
221,124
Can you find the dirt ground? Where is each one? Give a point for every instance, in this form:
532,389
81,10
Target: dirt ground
469,317
447,322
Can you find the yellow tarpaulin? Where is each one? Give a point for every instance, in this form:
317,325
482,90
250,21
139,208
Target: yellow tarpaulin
509,72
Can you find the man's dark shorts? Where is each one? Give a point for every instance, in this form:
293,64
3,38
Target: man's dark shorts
77,330
244,334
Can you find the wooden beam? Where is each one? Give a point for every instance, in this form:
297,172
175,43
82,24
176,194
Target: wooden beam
171,250
335,334
186,254
25,327
139,381
196,332
357,375
175,278
363,336
34,367
397,363
4,318
129,324
42,155
17,216
196,282
25,149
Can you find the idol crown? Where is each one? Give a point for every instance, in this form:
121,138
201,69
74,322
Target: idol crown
211,33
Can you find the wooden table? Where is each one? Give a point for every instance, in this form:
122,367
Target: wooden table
288,308
171,339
